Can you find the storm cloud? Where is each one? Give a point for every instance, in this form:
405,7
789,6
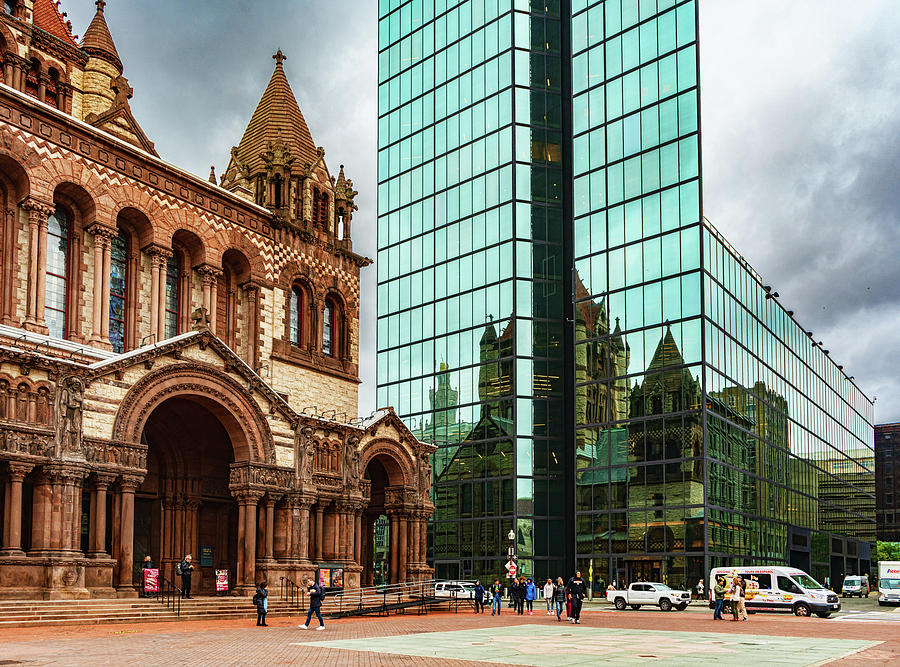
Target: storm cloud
801,137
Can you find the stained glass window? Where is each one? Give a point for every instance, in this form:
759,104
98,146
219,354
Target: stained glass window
328,329
117,286
296,313
171,324
57,272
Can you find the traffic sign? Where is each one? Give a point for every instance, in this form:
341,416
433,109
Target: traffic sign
511,570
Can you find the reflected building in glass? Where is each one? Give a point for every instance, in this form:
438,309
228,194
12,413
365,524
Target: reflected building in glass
600,369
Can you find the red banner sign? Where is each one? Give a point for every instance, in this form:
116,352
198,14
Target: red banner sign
221,580
151,580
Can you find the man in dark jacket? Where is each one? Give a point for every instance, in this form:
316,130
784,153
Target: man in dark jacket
576,590
496,597
479,597
186,569
316,595
262,603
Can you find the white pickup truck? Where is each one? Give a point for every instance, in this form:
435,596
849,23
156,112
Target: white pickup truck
650,593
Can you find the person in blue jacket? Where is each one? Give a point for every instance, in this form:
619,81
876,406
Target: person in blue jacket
530,596
316,595
479,597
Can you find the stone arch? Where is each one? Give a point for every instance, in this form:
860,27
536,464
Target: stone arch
129,197
179,220
235,408
397,462
238,241
51,174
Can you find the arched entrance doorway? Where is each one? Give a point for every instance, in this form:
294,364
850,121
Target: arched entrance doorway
184,505
391,528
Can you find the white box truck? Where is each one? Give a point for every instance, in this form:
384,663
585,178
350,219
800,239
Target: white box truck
888,582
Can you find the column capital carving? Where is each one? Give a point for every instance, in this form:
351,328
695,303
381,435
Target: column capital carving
209,273
103,480
158,253
36,206
17,471
102,234
247,496
60,473
130,483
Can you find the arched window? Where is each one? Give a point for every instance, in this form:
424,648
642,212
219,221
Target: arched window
32,78
51,93
296,315
328,329
278,186
171,323
56,287
323,211
117,290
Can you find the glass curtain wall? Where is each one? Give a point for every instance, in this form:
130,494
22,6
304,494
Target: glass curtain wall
639,446
469,293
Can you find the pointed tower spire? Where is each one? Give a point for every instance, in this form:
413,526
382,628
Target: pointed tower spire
212,174
98,41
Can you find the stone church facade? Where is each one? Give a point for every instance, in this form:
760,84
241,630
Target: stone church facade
179,356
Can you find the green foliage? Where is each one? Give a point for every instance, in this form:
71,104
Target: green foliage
886,551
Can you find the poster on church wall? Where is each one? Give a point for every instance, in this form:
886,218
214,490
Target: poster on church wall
151,580
337,577
221,581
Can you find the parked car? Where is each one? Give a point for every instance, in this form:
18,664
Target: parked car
777,588
855,585
651,594
464,590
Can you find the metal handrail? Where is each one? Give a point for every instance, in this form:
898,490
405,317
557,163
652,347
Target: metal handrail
169,594
292,594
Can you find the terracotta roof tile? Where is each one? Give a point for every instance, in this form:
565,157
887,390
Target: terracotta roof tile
97,39
277,116
47,18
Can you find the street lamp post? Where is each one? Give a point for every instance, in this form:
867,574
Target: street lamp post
512,558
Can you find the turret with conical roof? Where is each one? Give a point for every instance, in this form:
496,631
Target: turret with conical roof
278,165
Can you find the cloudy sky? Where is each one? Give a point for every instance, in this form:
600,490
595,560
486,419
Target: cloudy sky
801,136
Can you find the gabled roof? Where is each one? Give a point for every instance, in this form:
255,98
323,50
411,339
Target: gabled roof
97,40
122,112
277,118
46,16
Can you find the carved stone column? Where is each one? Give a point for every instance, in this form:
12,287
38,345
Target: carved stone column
252,293
248,501
357,537
158,258
12,520
103,237
10,265
303,545
269,549
320,531
394,537
98,516
38,212
413,537
210,276
423,540
403,545
127,486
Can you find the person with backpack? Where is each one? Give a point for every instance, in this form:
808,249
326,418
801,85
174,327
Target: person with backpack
184,570
530,596
719,604
496,597
261,600
576,591
316,595
559,597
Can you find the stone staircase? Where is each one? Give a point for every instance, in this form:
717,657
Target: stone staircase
35,613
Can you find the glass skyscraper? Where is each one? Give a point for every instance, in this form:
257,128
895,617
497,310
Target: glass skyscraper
601,371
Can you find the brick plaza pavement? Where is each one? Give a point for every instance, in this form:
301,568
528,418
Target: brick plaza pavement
463,639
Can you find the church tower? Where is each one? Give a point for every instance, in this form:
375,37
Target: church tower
278,165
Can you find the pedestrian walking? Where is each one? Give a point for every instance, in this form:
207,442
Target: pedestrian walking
548,596
496,597
719,603
576,592
185,568
530,596
559,597
517,592
479,597
261,600
316,596
146,565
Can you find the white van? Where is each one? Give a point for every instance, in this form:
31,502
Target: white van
775,588
463,590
